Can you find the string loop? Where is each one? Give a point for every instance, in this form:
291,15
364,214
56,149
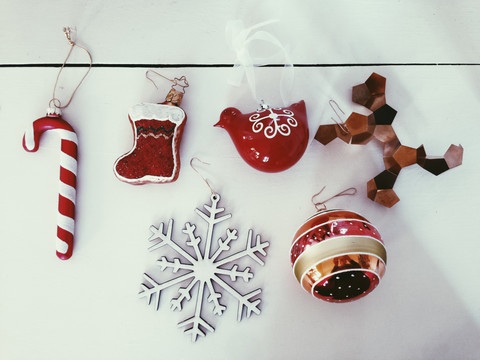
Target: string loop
240,39
68,31
321,205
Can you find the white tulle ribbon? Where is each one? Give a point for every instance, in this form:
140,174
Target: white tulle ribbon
240,39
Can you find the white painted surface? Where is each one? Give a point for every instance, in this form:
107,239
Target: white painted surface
427,304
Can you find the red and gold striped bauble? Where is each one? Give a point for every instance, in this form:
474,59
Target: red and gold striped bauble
338,256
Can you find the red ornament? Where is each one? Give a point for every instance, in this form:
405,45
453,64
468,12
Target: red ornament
54,123
338,256
68,175
269,139
158,130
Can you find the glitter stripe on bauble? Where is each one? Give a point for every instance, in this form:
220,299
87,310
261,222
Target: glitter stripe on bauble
338,256
54,123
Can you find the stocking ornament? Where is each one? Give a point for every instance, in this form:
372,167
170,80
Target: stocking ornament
54,123
157,131
273,138
338,255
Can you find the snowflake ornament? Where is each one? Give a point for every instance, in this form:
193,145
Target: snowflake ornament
207,269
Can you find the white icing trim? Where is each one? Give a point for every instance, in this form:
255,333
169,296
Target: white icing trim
148,111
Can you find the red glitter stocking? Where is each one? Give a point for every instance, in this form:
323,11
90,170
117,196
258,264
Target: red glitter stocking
158,130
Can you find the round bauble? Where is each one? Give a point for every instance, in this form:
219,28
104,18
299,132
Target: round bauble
338,256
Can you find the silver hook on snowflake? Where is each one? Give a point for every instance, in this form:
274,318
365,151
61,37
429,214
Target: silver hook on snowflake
215,196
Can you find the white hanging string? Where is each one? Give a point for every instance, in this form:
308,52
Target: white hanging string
240,39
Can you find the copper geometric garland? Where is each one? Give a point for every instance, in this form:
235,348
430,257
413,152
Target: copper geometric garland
360,129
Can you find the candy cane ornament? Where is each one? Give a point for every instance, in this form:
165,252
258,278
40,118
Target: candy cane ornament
53,122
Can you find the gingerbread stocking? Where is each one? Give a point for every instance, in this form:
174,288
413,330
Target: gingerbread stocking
157,130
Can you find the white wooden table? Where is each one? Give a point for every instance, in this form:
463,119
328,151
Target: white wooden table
427,305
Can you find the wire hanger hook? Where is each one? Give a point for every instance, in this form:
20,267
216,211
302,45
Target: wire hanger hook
198,172
321,205
182,82
340,123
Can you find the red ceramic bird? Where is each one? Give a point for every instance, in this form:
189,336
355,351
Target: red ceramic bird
269,139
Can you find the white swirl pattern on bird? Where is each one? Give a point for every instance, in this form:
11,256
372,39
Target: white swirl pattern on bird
274,127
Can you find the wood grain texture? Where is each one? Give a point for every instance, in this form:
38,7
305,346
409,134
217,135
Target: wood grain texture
427,305
164,32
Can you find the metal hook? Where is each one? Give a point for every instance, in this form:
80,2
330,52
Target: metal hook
180,82
198,172
263,106
68,30
321,204
340,123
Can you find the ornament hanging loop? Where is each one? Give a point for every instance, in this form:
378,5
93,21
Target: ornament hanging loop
240,39
321,205
180,83
68,31
340,123
214,194
68,34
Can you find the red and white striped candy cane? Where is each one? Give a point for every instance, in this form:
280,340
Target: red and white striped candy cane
53,122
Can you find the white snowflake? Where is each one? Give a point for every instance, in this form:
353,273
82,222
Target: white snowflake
204,268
